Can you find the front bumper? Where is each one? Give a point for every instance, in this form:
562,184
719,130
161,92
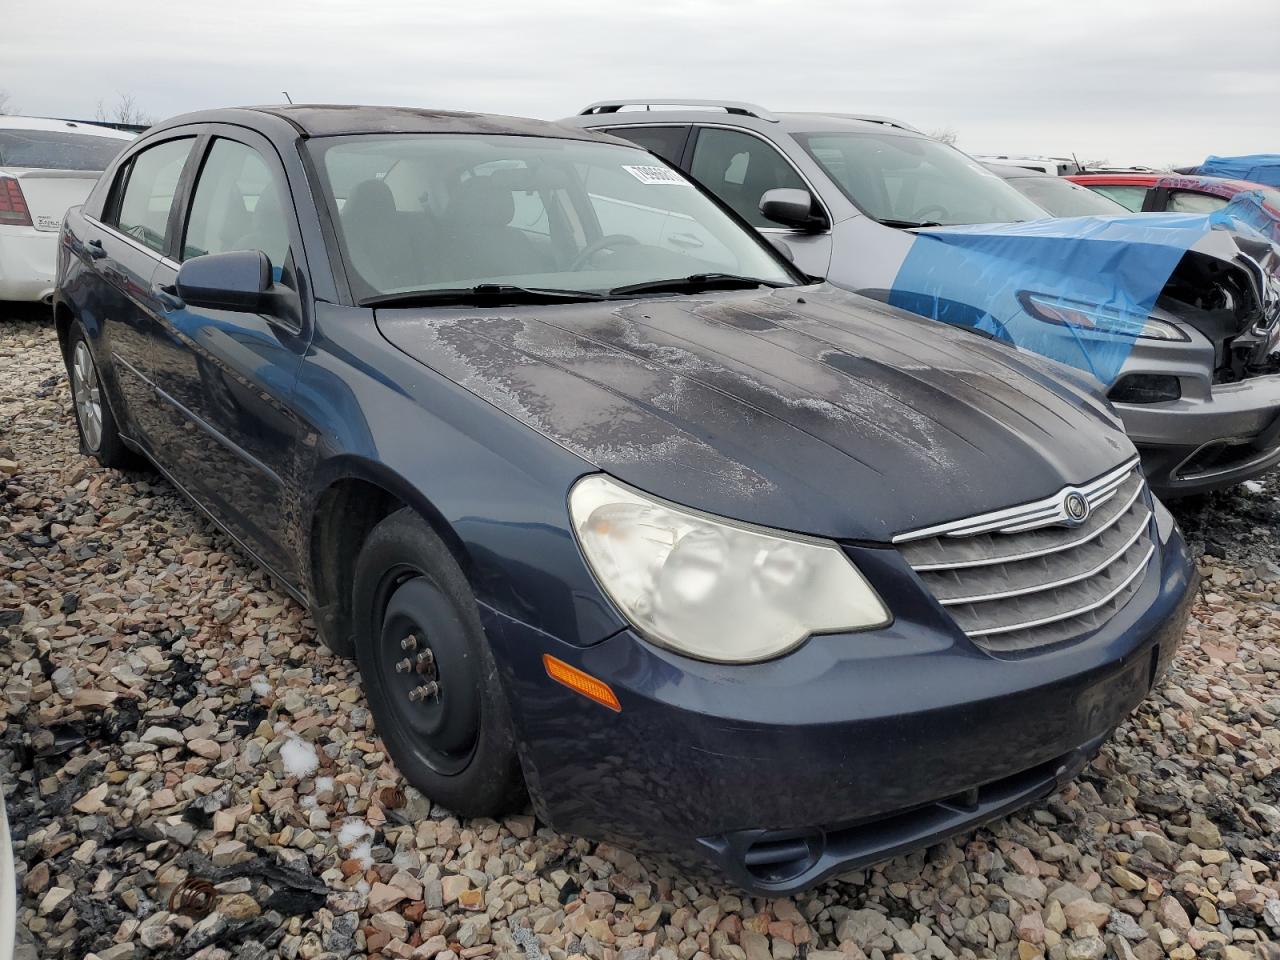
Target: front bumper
849,750
28,258
1228,434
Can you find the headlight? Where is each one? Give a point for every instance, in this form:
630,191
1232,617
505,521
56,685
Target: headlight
711,588
1094,318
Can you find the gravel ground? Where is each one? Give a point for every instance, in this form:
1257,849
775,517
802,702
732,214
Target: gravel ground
172,739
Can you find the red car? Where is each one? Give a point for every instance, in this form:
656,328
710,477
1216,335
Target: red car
1175,192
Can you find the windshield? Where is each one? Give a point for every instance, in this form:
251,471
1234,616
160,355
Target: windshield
57,150
1063,198
418,213
912,181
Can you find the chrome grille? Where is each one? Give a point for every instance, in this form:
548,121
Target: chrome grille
1030,576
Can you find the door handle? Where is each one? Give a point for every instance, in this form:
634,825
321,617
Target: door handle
96,250
167,294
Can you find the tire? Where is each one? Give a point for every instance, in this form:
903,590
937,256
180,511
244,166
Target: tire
95,423
417,624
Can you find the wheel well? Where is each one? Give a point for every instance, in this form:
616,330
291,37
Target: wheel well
343,518
62,318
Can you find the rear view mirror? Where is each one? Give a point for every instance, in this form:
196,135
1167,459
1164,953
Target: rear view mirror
240,281
791,207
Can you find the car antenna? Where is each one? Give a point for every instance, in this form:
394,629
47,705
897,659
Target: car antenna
287,97
1076,161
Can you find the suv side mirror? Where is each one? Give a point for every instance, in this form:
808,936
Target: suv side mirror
791,207
239,280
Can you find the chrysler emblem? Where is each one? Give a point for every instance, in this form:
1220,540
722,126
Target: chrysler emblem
1076,507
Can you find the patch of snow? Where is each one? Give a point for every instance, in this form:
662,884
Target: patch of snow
299,758
1253,486
260,685
363,852
352,832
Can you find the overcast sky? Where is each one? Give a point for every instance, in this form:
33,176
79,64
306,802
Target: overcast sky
1133,81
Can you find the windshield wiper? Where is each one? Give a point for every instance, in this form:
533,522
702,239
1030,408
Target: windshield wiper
910,224
482,294
695,283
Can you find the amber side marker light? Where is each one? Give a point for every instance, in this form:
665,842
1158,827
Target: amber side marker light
580,682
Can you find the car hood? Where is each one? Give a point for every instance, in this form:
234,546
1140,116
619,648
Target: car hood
808,409
981,276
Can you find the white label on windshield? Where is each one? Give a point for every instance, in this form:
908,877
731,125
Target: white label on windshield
656,175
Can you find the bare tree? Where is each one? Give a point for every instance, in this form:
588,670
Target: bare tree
5,105
126,110
947,135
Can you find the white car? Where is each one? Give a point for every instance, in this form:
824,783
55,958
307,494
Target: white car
8,890
46,167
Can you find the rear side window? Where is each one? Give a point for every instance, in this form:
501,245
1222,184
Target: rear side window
666,142
739,168
237,205
57,150
149,183
1187,201
1129,197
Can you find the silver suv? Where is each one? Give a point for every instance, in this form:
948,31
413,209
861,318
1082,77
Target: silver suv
1178,318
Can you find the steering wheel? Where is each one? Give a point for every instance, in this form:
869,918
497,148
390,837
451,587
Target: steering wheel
922,215
606,242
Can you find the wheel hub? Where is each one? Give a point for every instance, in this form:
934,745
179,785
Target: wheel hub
423,664
431,680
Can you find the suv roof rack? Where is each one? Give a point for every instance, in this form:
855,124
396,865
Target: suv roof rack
864,117
737,107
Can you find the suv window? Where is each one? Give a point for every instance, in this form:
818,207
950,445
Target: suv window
738,168
150,181
237,205
1187,201
666,142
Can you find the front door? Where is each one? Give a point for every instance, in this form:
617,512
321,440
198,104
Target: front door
739,167
226,378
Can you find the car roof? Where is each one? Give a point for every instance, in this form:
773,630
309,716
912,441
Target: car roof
338,119
64,126
611,113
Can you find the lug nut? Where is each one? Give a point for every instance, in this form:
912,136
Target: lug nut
404,665
426,662
409,643
424,691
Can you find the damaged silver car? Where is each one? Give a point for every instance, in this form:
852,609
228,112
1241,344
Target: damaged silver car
1177,316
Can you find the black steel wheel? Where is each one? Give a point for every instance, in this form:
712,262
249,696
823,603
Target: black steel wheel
432,684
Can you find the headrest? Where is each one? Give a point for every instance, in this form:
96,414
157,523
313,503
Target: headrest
486,201
370,200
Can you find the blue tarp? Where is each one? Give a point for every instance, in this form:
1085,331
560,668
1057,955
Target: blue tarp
1257,167
1077,290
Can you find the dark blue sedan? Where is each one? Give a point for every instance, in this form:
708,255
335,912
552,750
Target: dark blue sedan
613,507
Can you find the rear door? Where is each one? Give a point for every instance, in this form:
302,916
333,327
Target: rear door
739,167
226,378
126,247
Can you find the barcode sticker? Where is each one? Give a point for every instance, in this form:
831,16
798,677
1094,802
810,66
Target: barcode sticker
656,175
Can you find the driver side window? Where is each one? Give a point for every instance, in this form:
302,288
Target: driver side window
739,168
237,205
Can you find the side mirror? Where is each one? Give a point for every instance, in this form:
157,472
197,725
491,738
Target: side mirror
240,281
791,207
